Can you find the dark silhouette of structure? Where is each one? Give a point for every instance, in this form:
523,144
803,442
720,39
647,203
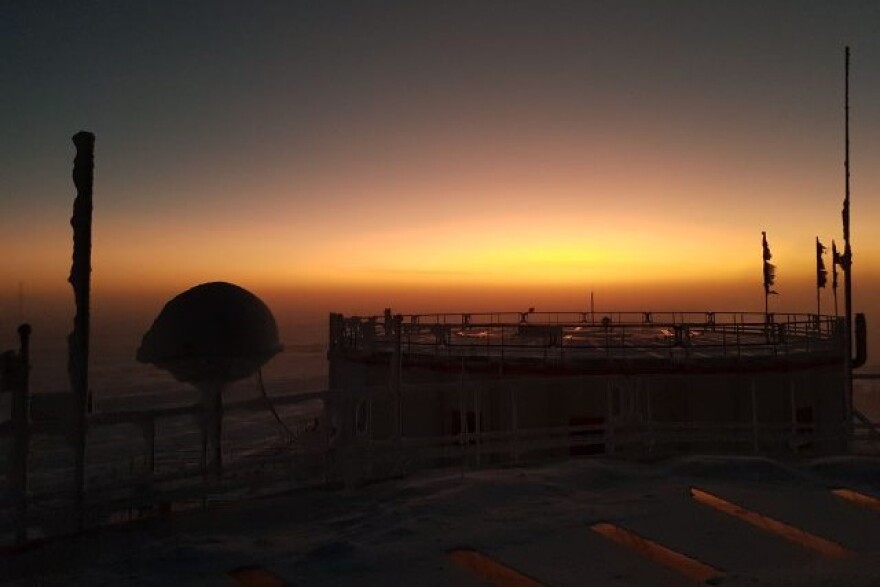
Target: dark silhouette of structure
80,280
846,259
209,336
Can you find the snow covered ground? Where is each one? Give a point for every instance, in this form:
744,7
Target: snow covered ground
534,519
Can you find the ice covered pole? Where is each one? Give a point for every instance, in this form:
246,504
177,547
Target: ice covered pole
80,280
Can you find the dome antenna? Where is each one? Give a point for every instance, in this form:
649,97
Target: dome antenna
209,336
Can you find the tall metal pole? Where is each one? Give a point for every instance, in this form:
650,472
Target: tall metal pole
847,251
80,280
821,279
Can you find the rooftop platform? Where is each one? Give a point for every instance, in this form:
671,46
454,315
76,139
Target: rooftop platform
579,341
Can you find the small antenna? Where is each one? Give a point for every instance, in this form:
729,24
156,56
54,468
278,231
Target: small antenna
21,302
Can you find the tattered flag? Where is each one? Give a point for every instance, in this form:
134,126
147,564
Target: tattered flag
821,272
835,261
769,268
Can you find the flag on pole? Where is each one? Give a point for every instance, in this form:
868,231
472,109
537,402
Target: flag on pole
769,268
821,272
835,261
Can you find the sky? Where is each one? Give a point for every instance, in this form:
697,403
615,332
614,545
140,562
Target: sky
437,155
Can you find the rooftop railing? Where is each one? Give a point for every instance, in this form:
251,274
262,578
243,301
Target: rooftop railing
566,336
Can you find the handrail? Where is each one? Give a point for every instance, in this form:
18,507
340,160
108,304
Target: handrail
580,332
575,317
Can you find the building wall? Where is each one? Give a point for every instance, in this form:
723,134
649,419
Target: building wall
803,402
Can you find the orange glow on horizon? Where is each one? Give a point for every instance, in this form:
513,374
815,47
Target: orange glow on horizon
468,254
548,211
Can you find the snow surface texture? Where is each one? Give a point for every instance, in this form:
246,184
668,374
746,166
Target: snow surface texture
536,520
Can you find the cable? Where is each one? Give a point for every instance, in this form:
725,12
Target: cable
290,435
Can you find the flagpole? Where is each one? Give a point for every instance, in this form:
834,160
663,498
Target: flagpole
818,295
847,249
766,287
821,276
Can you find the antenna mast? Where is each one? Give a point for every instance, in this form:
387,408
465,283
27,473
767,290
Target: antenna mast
21,301
847,250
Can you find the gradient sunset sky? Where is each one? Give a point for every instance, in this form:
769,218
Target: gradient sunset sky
439,154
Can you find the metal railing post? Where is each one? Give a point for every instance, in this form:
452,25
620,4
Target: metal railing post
21,433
